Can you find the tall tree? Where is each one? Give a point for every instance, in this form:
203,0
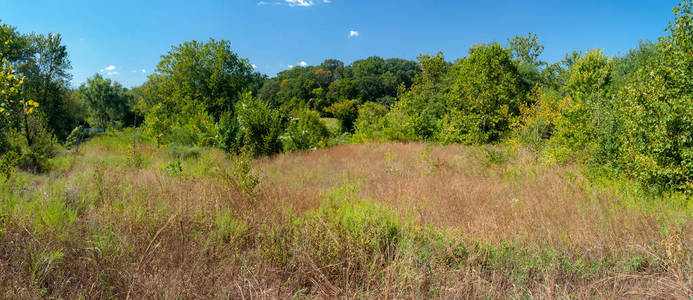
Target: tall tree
108,103
204,73
47,81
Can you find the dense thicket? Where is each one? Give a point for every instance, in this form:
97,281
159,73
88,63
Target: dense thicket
629,114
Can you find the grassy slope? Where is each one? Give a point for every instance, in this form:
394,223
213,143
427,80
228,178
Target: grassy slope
372,220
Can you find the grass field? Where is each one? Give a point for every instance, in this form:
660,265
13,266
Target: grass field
367,221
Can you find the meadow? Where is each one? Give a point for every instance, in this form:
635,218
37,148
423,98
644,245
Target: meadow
372,220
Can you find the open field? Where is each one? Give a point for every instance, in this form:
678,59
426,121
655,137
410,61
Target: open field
373,220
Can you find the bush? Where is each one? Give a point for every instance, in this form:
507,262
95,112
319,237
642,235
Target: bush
259,126
306,131
345,111
228,133
76,136
369,124
8,161
34,154
181,152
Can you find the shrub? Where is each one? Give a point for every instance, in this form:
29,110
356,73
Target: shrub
76,136
345,111
35,154
306,131
8,161
180,152
259,126
369,124
228,134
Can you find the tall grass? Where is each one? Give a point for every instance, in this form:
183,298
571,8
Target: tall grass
355,221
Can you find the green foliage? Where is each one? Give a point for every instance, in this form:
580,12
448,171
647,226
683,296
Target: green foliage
135,158
363,232
8,161
196,73
76,136
35,152
346,112
228,228
525,51
244,174
306,131
173,168
587,124
658,103
195,84
228,134
537,122
259,126
416,115
369,125
182,152
485,97
47,74
373,79
107,101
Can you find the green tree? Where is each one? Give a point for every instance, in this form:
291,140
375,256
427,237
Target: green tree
658,105
485,96
205,73
416,115
525,51
586,128
47,81
108,103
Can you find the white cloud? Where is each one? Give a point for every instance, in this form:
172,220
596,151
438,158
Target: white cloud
112,73
353,33
294,3
110,68
290,66
303,64
254,66
144,71
303,3
101,71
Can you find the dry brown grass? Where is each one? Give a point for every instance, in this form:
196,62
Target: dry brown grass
526,229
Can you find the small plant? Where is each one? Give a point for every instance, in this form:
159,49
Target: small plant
134,156
173,169
76,137
426,163
99,171
244,174
390,162
495,157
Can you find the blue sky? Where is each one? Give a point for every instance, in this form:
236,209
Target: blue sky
125,38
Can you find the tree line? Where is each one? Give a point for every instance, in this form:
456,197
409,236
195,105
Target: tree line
630,114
